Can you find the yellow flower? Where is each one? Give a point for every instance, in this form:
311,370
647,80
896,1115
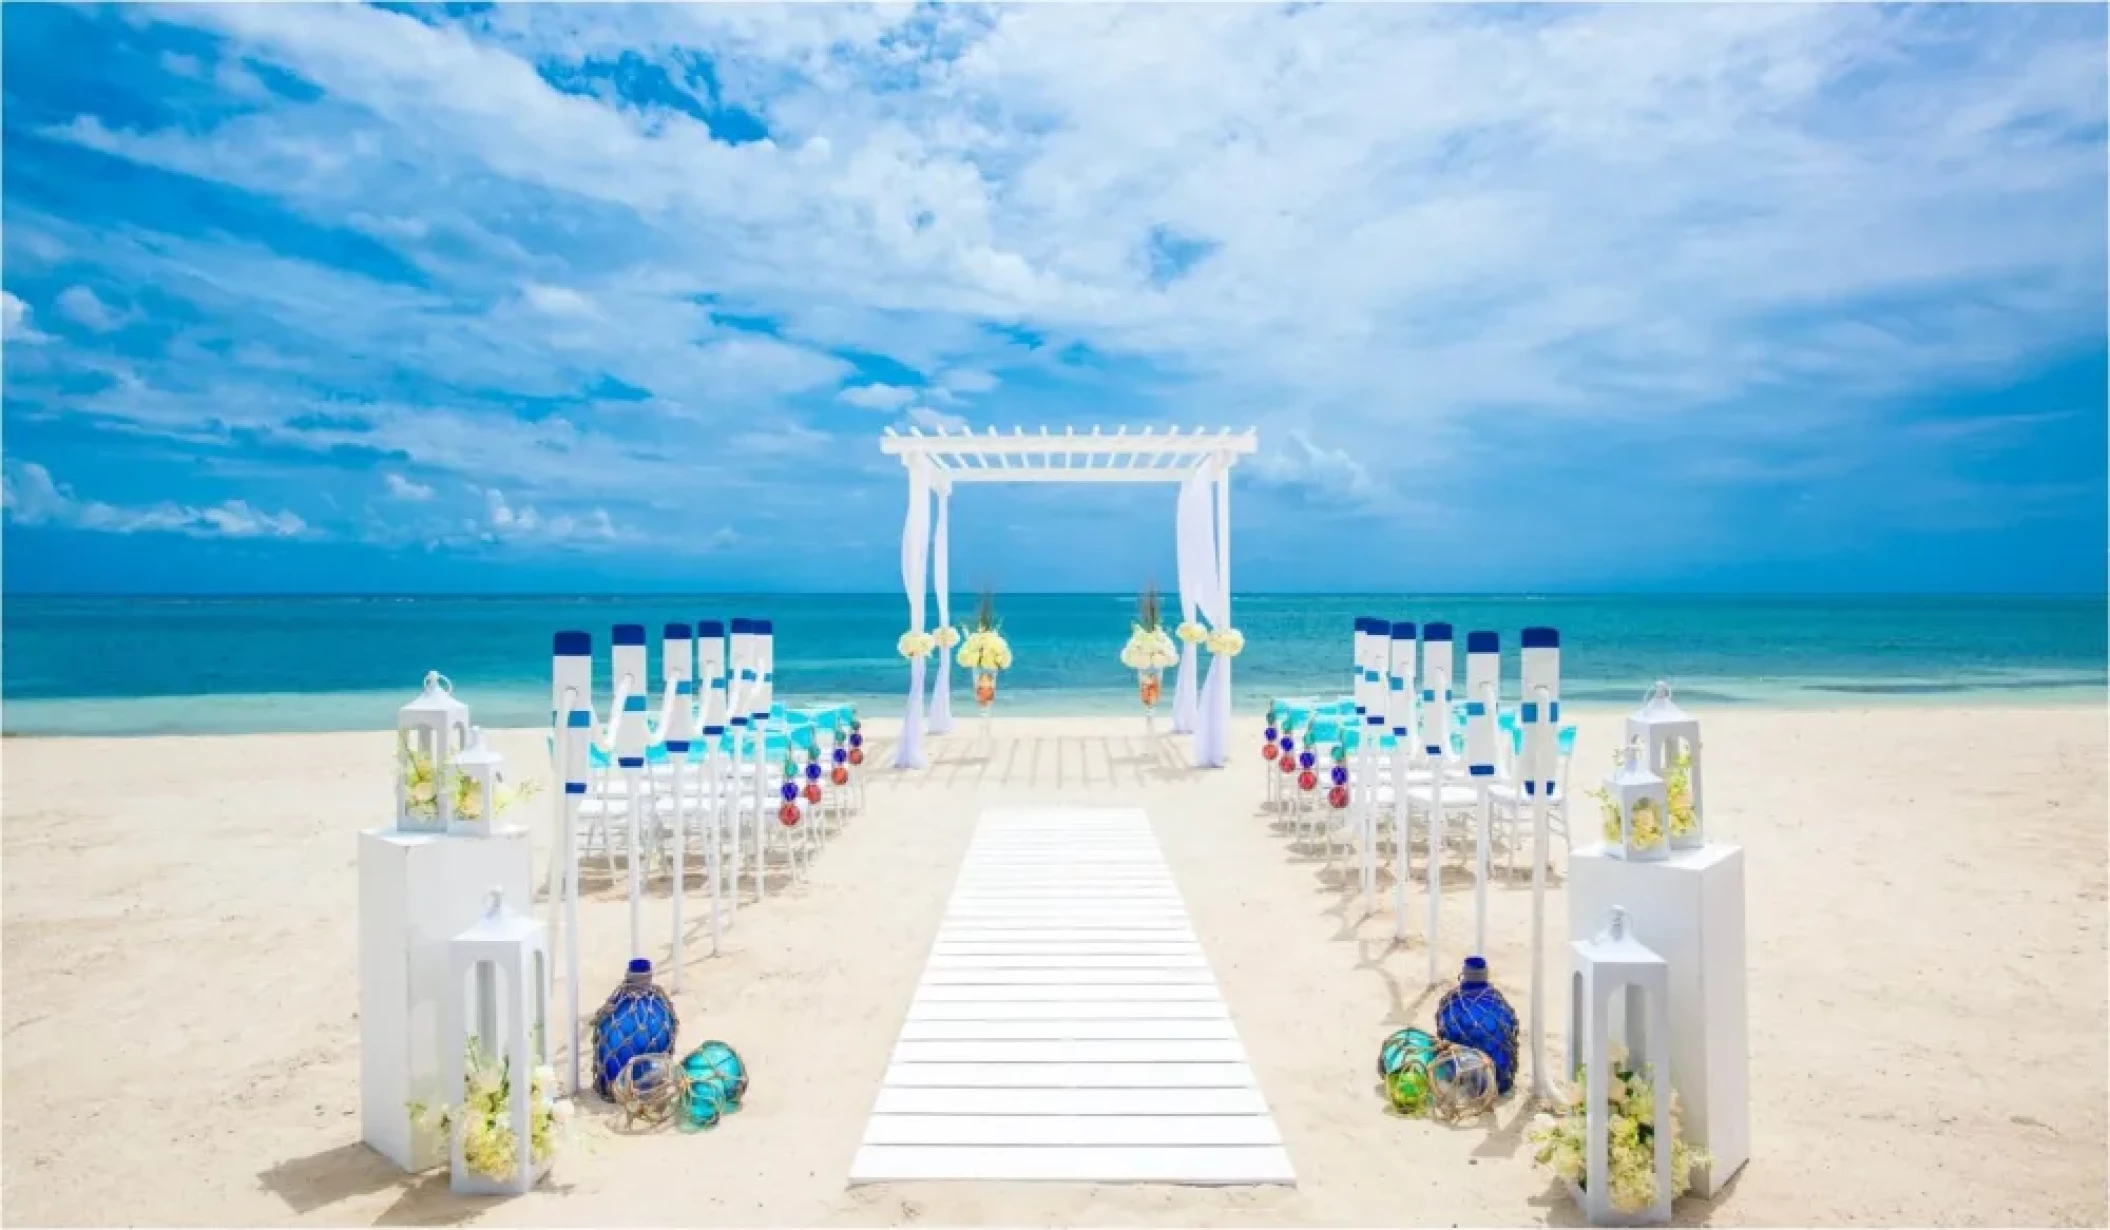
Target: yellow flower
1193,632
946,637
914,644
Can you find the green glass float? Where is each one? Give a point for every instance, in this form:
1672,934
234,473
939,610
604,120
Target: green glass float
1408,1088
1417,1044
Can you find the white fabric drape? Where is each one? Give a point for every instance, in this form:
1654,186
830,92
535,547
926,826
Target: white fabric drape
915,556
1193,503
1198,562
941,687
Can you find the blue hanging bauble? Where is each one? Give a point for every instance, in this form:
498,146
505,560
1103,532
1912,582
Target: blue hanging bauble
856,740
1305,760
1340,776
789,790
1272,734
1288,744
638,1019
813,772
1475,1014
840,755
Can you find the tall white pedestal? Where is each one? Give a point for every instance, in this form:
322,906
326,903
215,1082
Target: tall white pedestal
1690,910
417,891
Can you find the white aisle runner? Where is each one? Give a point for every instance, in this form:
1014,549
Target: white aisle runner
1067,1026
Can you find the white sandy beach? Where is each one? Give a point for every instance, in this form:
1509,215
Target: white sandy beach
1927,987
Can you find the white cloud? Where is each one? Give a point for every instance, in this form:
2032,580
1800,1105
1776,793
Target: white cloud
967,380
1330,474
878,396
15,323
79,304
408,489
935,420
557,300
32,497
507,521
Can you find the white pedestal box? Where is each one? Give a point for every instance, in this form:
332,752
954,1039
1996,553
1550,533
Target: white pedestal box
417,891
1690,908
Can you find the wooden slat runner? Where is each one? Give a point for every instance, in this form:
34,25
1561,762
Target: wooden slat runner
1068,1028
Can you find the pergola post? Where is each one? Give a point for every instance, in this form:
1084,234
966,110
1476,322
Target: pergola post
1223,579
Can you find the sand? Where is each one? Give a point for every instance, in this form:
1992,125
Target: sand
1927,988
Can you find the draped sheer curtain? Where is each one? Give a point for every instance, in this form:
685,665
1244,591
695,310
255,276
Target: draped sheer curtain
941,687
1198,565
1193,502
915,560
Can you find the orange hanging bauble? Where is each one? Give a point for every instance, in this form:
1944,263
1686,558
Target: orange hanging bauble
839,775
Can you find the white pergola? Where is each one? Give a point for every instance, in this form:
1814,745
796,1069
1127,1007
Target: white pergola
1199,461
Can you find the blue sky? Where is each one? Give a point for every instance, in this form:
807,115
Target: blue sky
544,297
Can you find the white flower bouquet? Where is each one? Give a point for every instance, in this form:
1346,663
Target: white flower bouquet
1631,1124
489,1147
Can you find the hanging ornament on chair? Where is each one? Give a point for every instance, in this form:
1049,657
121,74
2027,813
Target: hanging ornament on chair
1337,797
788,815
1307,780
1268,750
1288,763
1305,759
839,776
813,791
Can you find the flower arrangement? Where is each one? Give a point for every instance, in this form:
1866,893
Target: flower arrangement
1677,789
421,790
488,1145
421,787
1648,827
1148,648
1227,642
984,649
946,637
914,644
1630,1157
1193,632
469,797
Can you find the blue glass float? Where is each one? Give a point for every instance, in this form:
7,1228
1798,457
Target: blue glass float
1476,1015
638,1019
716,1070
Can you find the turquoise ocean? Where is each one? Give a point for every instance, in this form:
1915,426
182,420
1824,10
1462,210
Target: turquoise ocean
138,666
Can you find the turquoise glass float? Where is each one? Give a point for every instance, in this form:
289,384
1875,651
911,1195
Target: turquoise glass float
717,1067
1404,1045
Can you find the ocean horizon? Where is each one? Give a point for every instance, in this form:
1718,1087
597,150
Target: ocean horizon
237,664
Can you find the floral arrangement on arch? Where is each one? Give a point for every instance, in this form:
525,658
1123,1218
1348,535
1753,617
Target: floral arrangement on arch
488,1145
1631,1124
1648,827
984,649
1148,647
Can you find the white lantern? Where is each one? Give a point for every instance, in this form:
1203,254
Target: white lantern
430,734
1615,963
479,772
1636,826
498,1001
1671,737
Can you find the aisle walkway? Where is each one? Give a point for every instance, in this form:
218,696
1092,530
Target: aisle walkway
1067,1026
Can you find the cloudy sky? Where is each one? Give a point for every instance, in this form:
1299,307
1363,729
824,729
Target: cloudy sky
546,297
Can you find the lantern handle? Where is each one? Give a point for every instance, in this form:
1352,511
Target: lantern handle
1658,690
494,901
434,681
